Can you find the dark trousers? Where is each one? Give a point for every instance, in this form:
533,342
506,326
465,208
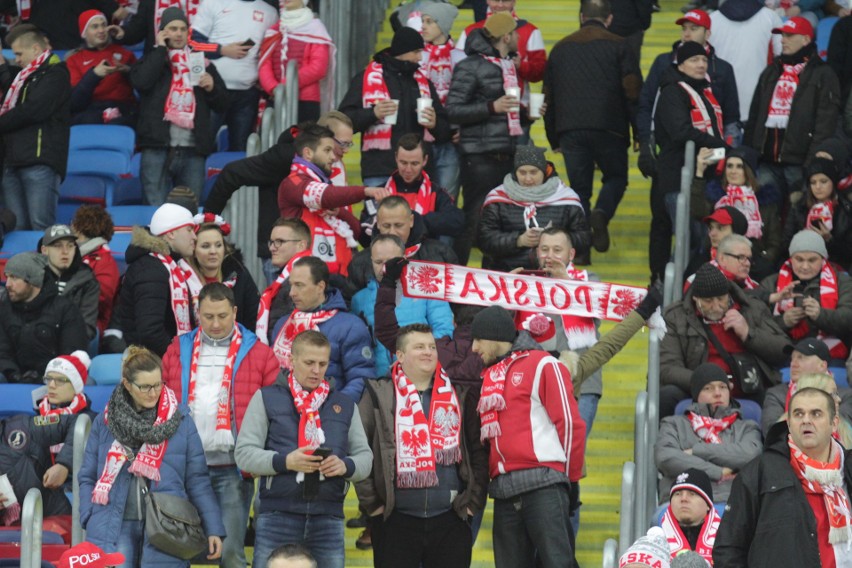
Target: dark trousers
634,42
240,117
403,541
480,173
480,8
582,149
660,237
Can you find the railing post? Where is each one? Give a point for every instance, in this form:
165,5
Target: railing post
266,130
243,206
669,285
32,516
291,100
82,426
279,105
625,529
610,554
640,459
652,426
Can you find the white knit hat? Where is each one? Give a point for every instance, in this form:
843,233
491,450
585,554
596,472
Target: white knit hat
74,366
169,217
649,550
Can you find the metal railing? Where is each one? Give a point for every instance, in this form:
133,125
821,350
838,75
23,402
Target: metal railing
32,516
285,108
82,426
683,222
610,554
243,205
625,528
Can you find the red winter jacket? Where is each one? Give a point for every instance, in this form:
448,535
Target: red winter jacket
313,59
105,268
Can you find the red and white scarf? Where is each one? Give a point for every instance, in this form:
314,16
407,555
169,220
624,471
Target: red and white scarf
265,305
374,89
742,198
425,200
78,404
708,428
678,542
179,291
437,64
563,196
822,212
492,399
11,99
189,7
826,479
312,198
782,96
180,102
148,459
308,404
24,9
748,283
421,443
829,295
701,119
223,437
297,323
510,80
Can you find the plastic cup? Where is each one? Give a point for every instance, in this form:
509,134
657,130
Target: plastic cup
422,104
391,118
536,100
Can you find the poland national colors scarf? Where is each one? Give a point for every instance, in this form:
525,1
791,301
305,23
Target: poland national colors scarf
706,537
180,102
179,292
11,98
510,80
374,89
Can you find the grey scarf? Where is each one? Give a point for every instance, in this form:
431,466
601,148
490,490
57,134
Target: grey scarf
534,194
132,428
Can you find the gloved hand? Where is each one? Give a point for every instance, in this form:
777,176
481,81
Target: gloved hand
393,271
647,161
651,301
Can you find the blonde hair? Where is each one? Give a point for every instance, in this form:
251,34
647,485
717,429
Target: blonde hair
825,382
138,359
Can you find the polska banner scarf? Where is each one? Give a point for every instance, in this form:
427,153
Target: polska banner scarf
297,323
782,96
438,67
423,202
822,212
492,399
742,198
180,102
148,459
308,405
678,542
11,99
312,199
179,292
265,305
826,479
374,89
708,428
189,7
510,80
420,443
223,437
828,298
701,119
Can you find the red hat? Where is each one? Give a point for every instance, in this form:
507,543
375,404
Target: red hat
87,555
74,366
697,17
798,26
86,18
732,216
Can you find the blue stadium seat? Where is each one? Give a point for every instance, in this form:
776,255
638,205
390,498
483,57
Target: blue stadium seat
99,395
128,190
750,409
222,139
65,212
103,137
48,537
105,369
118,245
215,163
839,373
16,399
20,241
823,34
78,189
124,217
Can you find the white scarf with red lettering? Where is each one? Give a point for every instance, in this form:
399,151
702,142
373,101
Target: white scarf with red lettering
742,198
180,102
492,399
265,304
782,96
822,212
11,99
312,198
179,291
223,437
148,459
438,66
701,119
678,542
374,89
297,323
510,80
708,428
308,404
189,7
425,202
421,443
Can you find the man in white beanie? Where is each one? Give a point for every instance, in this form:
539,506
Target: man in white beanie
811,297
649,550
155,302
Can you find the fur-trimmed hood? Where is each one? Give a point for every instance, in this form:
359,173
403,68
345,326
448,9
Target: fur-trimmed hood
143,242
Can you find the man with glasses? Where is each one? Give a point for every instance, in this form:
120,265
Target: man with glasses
718,322
72,278
36,324
734,258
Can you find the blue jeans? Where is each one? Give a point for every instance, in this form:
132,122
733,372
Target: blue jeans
582,149
163,168
533,527
130,542
322,535
446,162
234,496
240,117
32,194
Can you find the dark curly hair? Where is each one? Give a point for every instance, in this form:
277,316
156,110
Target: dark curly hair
93,221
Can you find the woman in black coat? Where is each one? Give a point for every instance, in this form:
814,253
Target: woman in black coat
531,199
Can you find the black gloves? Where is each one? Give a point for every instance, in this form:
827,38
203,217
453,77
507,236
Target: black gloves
647,161
651,301
393,271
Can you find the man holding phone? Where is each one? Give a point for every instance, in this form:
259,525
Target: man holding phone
306,442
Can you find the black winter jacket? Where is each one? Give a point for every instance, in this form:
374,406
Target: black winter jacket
476,84
840,246
245,290
591,82
33,333
399,78
813,115
630,16
673,127
840,54
37,130
82,289
152,77
58,18
768,522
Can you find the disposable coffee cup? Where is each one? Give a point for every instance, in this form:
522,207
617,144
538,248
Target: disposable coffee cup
536,100
196,67
513,92
391,118
422,104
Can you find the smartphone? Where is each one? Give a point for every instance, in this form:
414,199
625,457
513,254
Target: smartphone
322,452
310,488
717,156
797,301
249,42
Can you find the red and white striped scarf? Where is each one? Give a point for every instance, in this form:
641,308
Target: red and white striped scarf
678,542
148,459
374,89
510,80
11,99
78,404
24,9
563,196
312,198
265,304
822,212
179,291
492,400
223,437
701,119
189,7
782,96
438,66
748,283
708,428
742,198
298,322
421,443
309,404
180,102
425,201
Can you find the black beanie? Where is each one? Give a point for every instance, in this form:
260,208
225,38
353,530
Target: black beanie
709,282
822,166
170,15
689,49
530,156
748,155
404,40
696,481
704,374
494,323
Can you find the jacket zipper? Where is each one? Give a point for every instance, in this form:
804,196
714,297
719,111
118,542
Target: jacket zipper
38,145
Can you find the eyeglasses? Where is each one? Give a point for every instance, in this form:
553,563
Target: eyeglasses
58,381
741,258
146,389
280,242
344,145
